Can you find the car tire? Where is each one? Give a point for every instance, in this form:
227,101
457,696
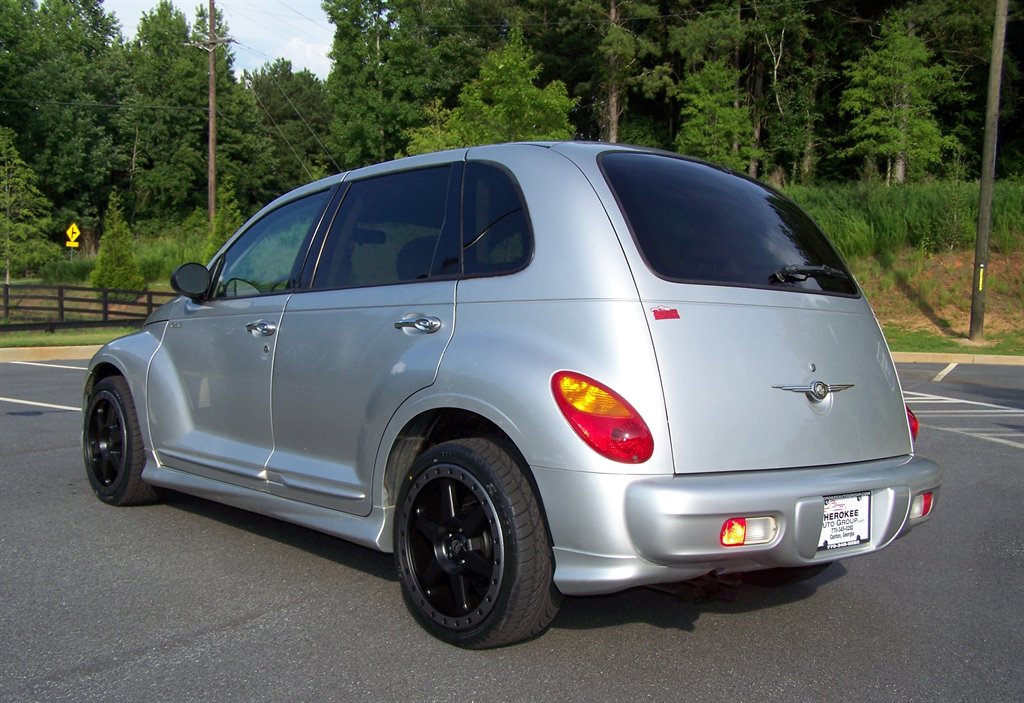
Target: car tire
471,547
112,445
783,576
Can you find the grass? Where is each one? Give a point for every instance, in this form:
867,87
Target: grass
62,338
903,340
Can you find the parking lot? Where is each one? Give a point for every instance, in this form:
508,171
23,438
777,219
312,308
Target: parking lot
192,601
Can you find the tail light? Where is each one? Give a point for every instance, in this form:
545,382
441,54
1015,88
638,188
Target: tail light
914,424
602,418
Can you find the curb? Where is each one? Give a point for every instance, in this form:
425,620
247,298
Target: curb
943,358
47,353
86,352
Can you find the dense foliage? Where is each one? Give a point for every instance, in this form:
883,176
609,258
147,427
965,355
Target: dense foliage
802,93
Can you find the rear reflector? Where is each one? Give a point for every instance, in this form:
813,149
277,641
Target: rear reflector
739,531
921,505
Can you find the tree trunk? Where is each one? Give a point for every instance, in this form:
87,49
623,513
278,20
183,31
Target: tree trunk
612,106
900,174
758,93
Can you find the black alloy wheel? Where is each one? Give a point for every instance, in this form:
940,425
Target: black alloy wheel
454,546
112,445
471,546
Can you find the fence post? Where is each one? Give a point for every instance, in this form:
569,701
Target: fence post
106,304
149,303
7,301
60,303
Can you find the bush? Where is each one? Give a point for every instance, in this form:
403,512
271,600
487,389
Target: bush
116,266
169,246
63,271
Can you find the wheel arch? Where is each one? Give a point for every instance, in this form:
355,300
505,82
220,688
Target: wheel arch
443,424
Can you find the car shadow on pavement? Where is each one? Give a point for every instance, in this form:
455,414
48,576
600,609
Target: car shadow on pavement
322,545
672,606
679,606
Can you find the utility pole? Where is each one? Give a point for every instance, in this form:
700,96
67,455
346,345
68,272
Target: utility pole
988,174
211,47
211,174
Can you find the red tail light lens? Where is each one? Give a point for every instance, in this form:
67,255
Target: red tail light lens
914,424
602,418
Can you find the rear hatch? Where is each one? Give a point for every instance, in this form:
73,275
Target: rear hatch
769,355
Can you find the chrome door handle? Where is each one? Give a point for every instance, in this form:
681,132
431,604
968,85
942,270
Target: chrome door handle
423,323
261,328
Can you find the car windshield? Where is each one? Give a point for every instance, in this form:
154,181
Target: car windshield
696,223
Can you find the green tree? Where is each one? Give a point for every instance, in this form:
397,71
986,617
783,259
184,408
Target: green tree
227,221
78,77
116,265
167,119
617,29
376,76
891,101
713,125
295,117
23,213
503,104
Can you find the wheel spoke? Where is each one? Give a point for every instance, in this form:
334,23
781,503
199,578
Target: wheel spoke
426,527
475,522
450,499
460,596
432,573
479,564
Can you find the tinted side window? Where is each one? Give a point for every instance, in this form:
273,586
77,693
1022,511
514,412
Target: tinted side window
387,230
263,258
696,223
495,228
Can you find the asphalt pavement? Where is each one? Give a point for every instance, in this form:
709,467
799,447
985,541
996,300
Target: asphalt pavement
188,600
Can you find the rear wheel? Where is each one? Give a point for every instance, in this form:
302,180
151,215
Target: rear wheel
112,443
471,547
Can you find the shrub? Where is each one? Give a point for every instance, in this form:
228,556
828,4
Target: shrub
61,271
116,266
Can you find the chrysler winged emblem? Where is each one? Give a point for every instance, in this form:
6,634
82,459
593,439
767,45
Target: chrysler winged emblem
816,390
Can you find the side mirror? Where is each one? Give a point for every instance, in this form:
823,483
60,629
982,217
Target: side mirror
192,281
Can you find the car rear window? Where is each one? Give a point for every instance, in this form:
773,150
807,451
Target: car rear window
696,223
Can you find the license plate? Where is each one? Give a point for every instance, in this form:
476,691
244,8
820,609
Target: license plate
846,521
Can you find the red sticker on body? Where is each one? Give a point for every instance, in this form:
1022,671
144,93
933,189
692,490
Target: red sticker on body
663,313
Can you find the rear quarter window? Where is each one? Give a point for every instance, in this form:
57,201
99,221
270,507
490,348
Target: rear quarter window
696,223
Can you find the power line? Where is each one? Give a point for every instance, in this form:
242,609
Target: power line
296,109
117,106
281,132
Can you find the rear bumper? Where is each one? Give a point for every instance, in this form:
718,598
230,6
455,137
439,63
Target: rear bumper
632,531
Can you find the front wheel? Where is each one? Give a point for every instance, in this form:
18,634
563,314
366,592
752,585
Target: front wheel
471,547
112,444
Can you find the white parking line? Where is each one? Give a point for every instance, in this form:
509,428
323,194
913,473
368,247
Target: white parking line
969,410
945,372
981,435
49,366
915,397
39,405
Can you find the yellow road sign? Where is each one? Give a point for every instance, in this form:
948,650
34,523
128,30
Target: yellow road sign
72,233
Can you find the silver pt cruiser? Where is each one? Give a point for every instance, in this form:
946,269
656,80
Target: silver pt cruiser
527,370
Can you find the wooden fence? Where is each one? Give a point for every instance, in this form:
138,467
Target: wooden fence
31,307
